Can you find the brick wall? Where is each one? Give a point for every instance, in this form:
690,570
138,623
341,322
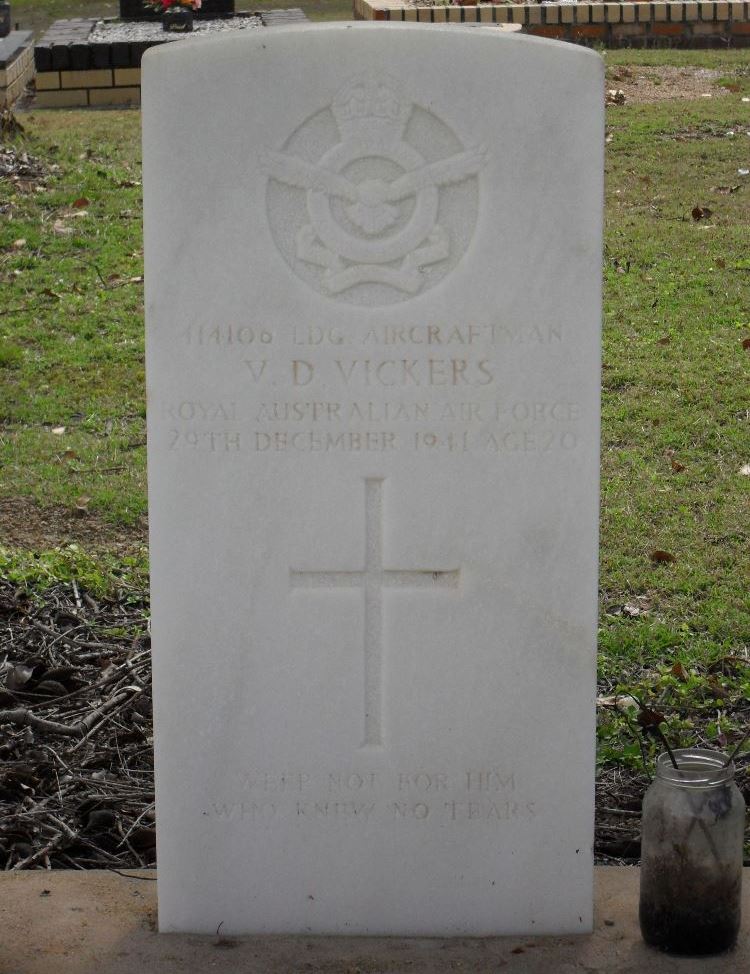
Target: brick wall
701,23
16,65
95,86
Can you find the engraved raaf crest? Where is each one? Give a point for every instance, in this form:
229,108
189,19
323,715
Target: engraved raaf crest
373,199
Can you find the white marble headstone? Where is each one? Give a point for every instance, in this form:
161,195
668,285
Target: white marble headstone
373,306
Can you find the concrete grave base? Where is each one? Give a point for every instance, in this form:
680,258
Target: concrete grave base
98,922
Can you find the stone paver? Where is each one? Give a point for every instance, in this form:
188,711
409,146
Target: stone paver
96,922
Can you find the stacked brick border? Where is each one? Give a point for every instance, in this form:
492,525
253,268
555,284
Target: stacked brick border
16,67
73,73
91,88
693,24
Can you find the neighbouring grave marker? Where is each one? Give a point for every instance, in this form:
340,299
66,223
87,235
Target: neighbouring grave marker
373,309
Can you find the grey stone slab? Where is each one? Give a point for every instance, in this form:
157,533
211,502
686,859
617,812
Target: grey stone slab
14,44
96,922
280,18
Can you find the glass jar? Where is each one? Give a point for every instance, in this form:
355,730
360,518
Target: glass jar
691,854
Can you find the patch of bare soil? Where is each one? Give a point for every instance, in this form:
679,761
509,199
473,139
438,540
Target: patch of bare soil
645,85
24,524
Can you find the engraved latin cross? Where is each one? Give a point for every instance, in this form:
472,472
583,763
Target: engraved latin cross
373,579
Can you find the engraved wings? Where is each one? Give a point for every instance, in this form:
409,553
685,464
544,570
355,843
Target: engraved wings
454,169
298,172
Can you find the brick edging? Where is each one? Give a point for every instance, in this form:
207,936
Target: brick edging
16,70
73,73
697,23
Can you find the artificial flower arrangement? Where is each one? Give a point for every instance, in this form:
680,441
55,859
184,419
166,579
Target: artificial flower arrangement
161,6
177,15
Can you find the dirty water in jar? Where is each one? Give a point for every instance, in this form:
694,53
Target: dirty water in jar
691,848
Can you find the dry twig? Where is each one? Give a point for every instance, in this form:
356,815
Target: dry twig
76,775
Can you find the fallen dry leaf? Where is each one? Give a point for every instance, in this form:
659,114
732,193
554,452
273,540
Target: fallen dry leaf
81,203
615,96
746,343
632,610
663,341
19,676
60,229
745,470
57,430
725,190
82,504
650,718
661,557
679,671
620,701
720,263
19,244
701,213
677,467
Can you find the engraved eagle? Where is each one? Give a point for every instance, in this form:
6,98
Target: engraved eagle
371,201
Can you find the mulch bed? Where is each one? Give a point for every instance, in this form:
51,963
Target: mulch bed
76,746
76,751
23,171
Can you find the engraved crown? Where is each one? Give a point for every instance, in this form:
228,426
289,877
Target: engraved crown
368,103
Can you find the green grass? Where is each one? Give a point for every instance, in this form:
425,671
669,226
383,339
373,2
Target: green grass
676,424
675,386
101,575
735,60
71,338
675,372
